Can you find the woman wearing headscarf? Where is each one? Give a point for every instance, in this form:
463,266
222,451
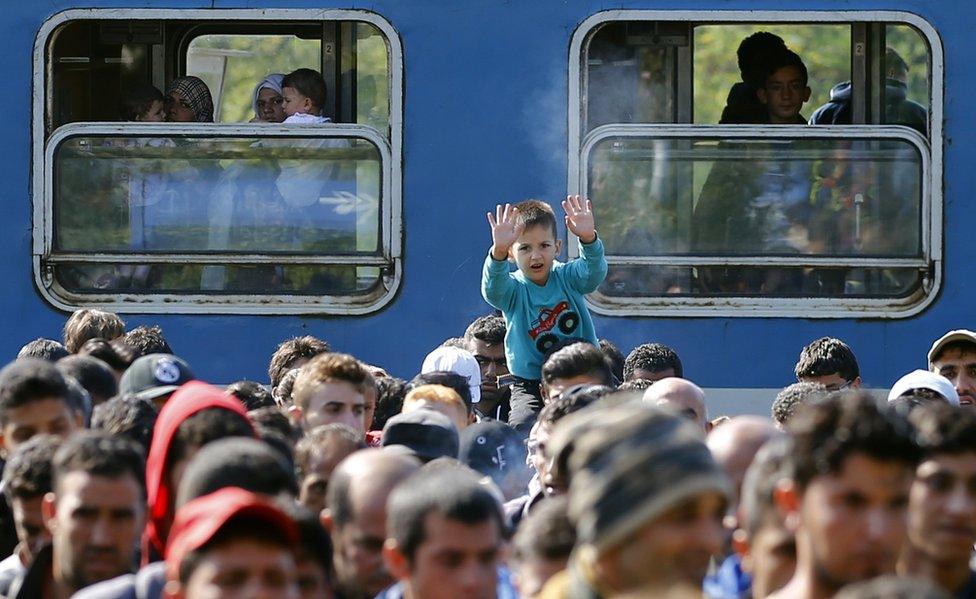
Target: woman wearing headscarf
189,101
267,100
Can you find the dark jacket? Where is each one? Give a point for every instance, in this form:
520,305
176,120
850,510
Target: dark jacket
899,110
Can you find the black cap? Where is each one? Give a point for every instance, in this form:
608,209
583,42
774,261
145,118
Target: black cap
492,448
425,433
154,375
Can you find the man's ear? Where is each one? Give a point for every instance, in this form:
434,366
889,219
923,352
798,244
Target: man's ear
295,415
396,562
856,383
786,497
325,518
49,509
761,94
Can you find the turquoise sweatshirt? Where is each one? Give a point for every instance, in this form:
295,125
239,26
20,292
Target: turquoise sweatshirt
537,316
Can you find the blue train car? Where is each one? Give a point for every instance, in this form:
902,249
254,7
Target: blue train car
736,244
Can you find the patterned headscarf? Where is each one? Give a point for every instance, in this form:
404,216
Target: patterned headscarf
197,95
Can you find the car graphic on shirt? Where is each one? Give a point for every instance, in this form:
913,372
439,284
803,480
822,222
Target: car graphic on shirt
560,315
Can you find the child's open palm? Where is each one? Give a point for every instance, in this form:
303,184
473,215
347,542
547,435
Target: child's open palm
579,218
505,230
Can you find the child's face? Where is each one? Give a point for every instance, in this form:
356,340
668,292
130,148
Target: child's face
784,95
294,102
534,253
156,113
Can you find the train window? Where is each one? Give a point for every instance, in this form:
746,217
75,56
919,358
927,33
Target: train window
708,208
232,216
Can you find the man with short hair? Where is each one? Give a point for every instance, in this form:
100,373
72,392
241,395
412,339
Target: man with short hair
954,356
577,364
356,518
331,388
437,398
942,504
88,323
94,514
792,397
145,340
316,456
653,362
681,396
485,339
293,353
830,362
542,546
35,399
444,537
93,375
155,377
853,465
48,350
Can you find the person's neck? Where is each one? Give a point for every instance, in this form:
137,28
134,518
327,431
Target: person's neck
949,574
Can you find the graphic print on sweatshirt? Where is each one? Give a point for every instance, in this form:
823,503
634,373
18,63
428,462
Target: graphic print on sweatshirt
559,316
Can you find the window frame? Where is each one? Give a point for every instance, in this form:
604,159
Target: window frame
389,146
931,150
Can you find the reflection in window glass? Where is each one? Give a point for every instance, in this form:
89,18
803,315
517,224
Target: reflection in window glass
372,78
731,198
232,65
286,196
906,66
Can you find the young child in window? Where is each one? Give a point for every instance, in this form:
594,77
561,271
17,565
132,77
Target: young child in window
543,300
304,97
785,90
144,104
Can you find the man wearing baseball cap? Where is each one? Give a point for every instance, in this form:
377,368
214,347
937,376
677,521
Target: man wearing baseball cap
953,355
155,377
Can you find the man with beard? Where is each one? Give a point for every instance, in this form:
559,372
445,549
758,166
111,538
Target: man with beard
485,339
954,356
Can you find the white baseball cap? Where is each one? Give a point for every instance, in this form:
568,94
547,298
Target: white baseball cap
956,335
458,361
923,379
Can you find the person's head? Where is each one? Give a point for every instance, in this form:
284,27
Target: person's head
735,443
390,392
253,395
458,383
542,545
496,450
458,361
155,377
242,462
283,392
93,375
652,361
615,358
554,482
792,397
444,535
752,52
188,100
539,244
924,385
681,396
48,350
232,543
35,399
89,323
646,496
895,66
831,363
267,101
145,340
96,510
304,92
438,398
577,364
26,480
331,388
942,504
144,103
127,416
271,418
765,546
424,434
785,89
293,353
954,356
485,339
853,464
316,458
356,518
110,353
314,561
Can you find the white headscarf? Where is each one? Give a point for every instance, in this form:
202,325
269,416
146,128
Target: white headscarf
272,81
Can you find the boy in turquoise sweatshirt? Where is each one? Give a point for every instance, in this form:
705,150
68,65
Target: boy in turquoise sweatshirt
543,301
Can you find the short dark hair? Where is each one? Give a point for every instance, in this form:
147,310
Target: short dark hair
282,392
963,346
576,360
26,380
118,356
44,349
308,83
635,385
88,323
826,433
313,540
782,59
313,441
489,329
145,340
236,462
206,426
944,428
826,356
92,374
252,395
751,52
536,213
127,416
27,472
455,494
546,533
794,396
451,380
652,357
272,418
614,357
573,400
138,100
98,453
290,351
330,367
390,392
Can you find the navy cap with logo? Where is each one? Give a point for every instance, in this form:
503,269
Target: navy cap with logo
492,448
426,434
154,375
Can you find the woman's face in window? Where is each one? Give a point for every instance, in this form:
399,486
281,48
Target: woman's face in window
178,109
270,106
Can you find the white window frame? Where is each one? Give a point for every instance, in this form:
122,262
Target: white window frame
389,147
758,306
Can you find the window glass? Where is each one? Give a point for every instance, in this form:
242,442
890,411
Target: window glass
232,65
372,78
907,73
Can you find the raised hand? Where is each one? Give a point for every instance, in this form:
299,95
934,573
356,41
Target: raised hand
579,218
505,230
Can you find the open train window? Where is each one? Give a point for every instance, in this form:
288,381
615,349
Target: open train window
233,215
711,205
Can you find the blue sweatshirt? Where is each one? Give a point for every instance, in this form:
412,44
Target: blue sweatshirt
537,316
